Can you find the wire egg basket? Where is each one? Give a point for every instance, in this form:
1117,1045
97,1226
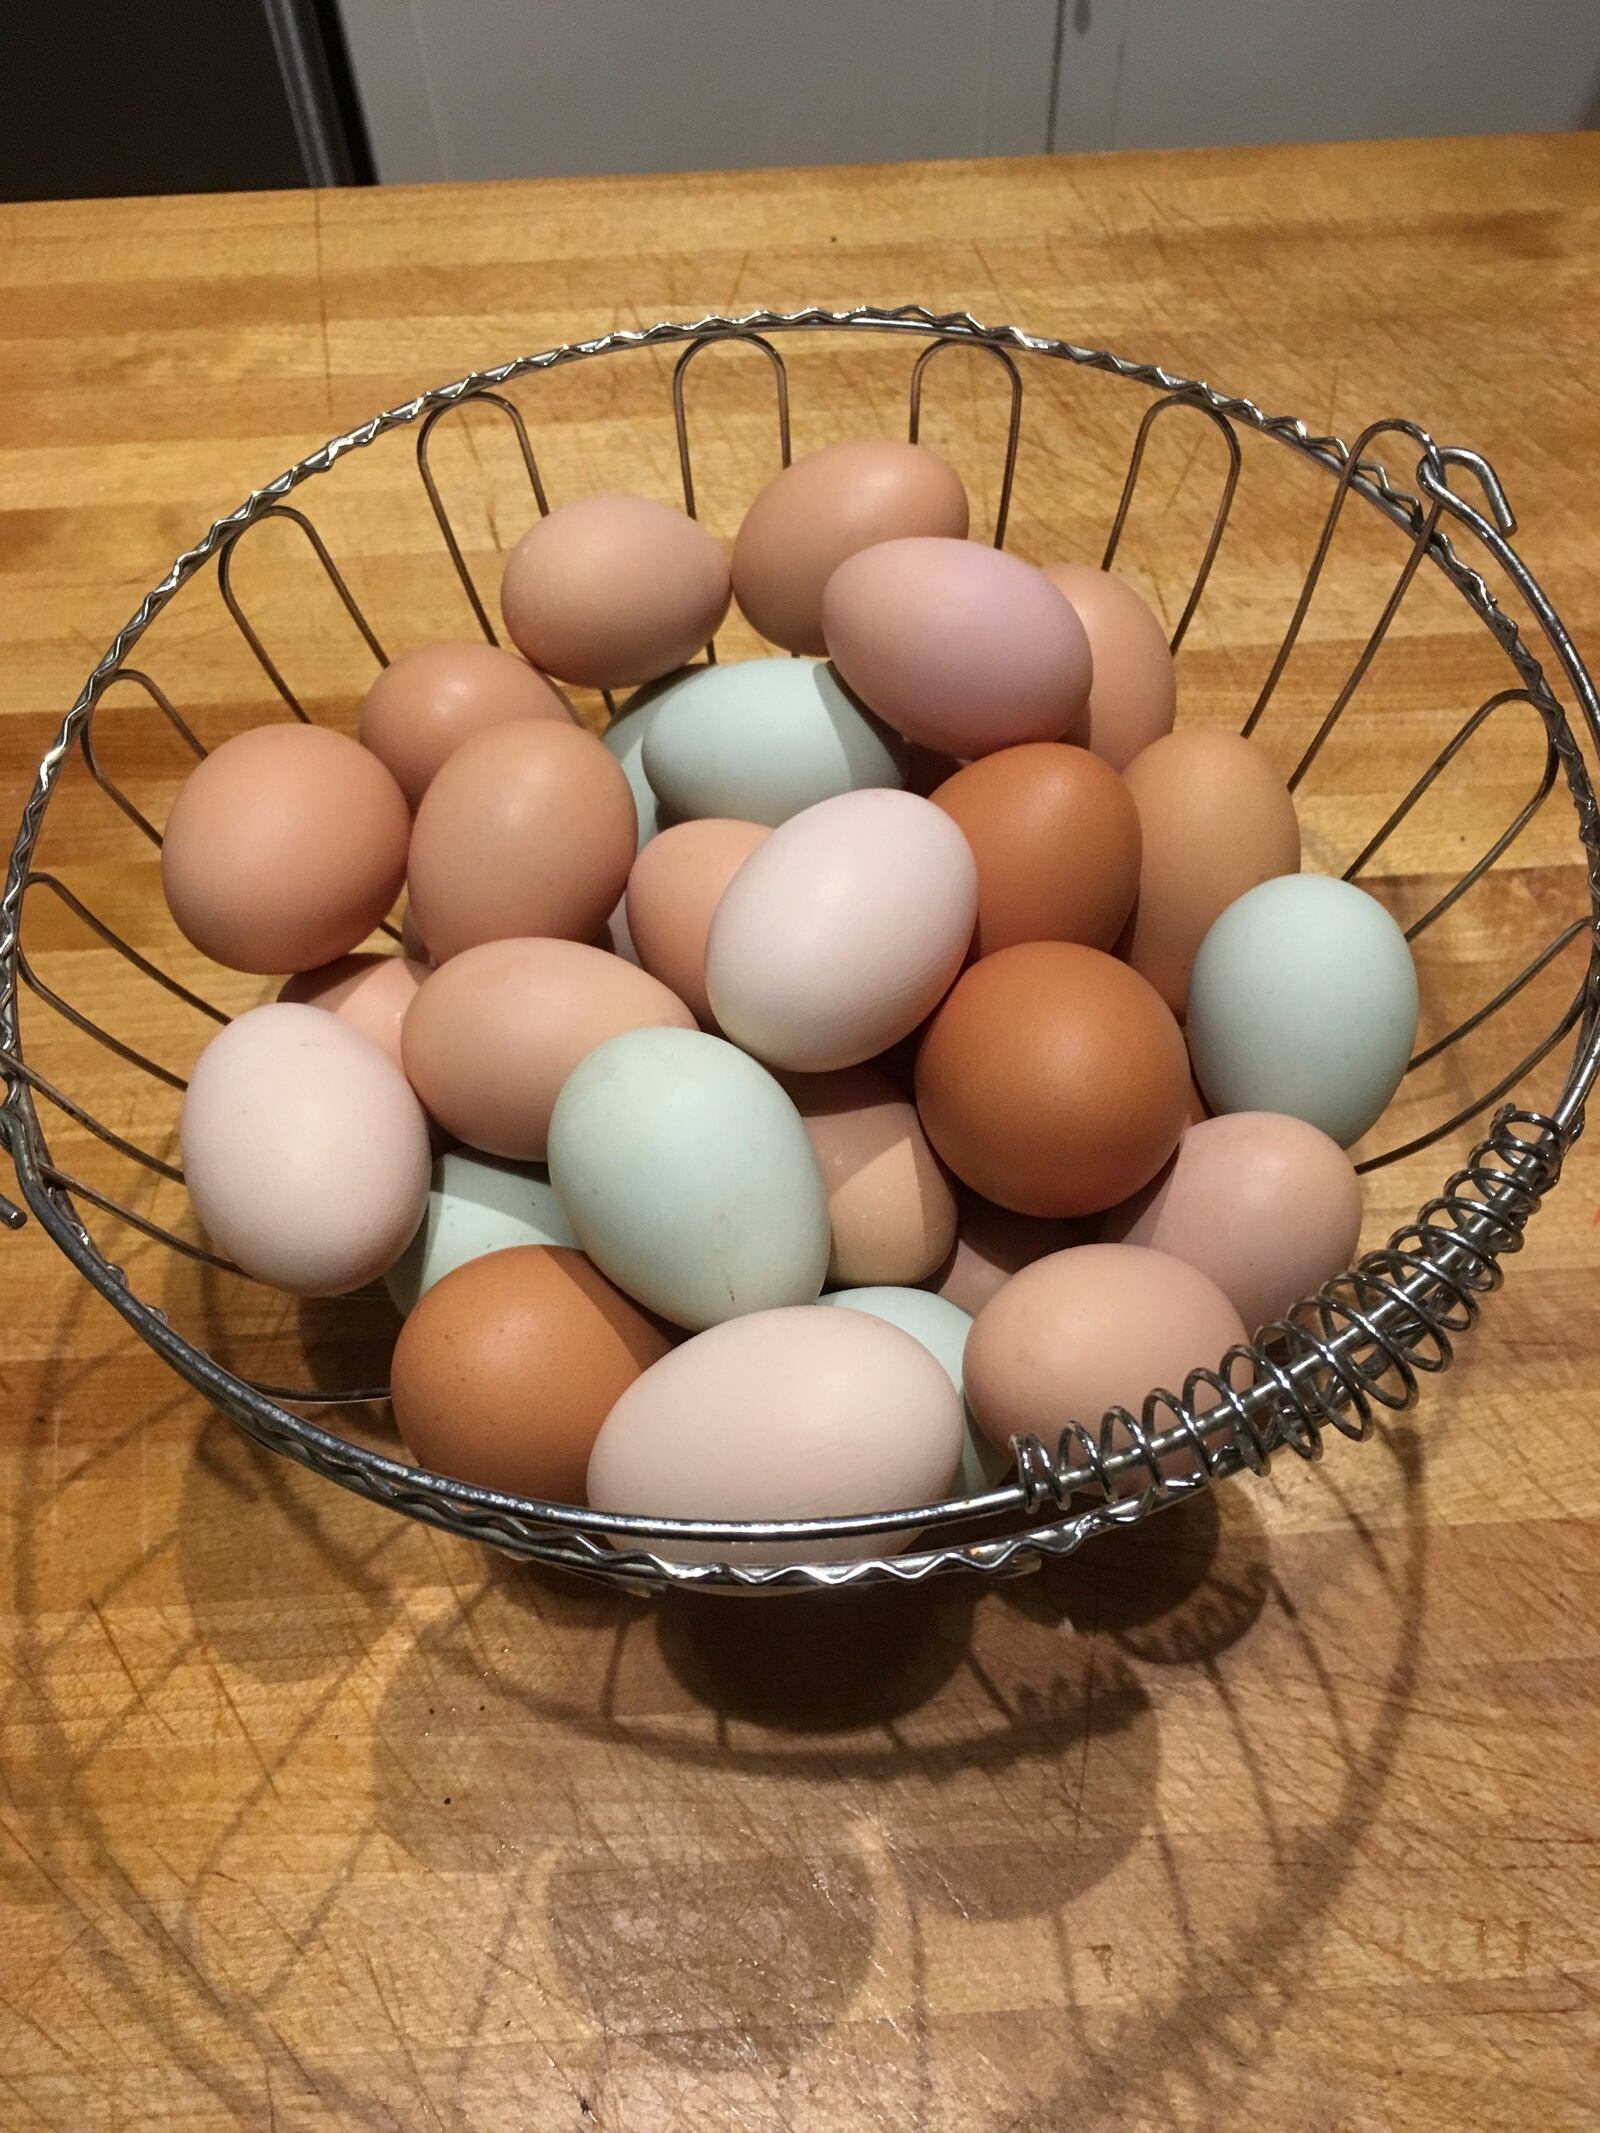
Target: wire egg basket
1313,601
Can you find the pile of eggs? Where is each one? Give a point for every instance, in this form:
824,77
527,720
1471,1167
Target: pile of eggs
852,1059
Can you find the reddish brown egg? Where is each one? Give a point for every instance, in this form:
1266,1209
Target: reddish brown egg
370,992
1133,698
890,1210
506,1369
1056,836
426,703
614,590
1053,1079
1216,819
527,829
675,886
494,1032
284,849
827,506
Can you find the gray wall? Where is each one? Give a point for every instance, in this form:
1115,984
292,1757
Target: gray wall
507,88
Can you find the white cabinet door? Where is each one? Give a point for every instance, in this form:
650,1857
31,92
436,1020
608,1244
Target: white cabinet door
514,88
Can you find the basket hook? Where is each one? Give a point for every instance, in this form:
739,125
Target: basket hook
1433,475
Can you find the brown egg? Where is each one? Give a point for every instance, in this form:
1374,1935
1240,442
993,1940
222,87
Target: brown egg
284,849
506,1369
1216,820
991,1244
370,992
1134,696
825,507
614,590
494,1032
676,884
1053,1079
527,829
426,703
1088,1330
1056,836
891,1212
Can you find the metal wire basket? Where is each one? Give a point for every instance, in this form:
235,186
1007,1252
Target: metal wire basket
1341,1357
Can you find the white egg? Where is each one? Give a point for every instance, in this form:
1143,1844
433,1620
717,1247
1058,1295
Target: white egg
1304,1000
476,1204
942,1328
759,740
688,1177
625,737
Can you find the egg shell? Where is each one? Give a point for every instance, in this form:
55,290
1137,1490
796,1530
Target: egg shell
476,1204
1055,834
614,590
427,702
494,1033
1133,698
991,1244
890,1210
527,829
675,886
841,933
942,1330
800,1413
1098,1327
507,1368
1265,1206
1053,1080
959,646
1215,818
825,508
304,1152
284,849
370,992
1304,1000
624,738
687,1176
760,739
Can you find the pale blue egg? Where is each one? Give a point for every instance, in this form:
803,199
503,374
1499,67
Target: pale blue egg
1304,1000
759,740
476,1204
687,1174
625,737
942,1327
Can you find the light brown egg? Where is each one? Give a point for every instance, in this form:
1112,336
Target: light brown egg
494,1032
369,992
891,1213
1053,1079
1056,836
1088,1330
1216,819
1266,1206
991,1245
1134,696
427,702
506,1369
284,849
675,886
527,829
827,506
614,590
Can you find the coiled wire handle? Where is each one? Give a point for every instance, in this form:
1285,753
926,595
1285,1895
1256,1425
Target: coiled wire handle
1403,1304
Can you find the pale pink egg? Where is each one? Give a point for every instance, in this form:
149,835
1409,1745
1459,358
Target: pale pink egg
794,1413
370,992
842,931
958,646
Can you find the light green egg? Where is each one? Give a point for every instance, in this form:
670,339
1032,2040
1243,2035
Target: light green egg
942,1327
762,739
625,737
476,1204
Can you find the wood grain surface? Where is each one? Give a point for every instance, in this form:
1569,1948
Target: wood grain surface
1280,1812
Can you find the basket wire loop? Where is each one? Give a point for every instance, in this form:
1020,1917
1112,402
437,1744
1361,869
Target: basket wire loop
1337,1361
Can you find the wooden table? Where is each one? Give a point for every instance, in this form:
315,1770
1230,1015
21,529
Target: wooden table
1279,1813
